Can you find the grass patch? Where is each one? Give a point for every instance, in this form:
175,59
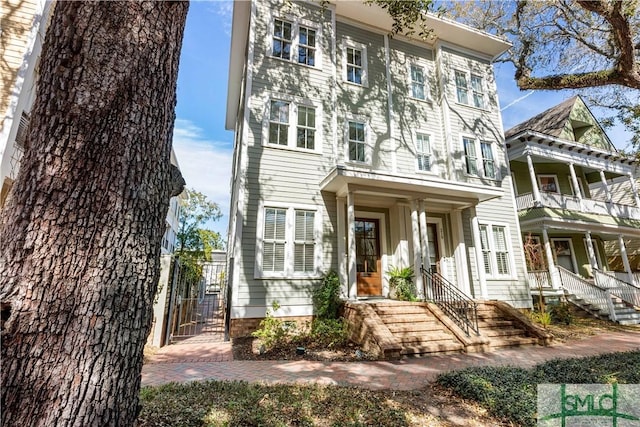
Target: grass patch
226,403
510,393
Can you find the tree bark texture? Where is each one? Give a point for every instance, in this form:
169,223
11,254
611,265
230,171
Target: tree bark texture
80,236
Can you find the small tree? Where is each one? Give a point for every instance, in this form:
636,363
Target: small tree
195,212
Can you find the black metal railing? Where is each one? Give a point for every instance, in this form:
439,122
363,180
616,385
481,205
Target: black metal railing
454,303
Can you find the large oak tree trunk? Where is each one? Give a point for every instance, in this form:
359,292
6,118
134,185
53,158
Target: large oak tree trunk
80,236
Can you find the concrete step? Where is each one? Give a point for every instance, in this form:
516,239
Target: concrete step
505,332
414,327
424,338
405,318
401,309
491,323
434,347
635,321
513,341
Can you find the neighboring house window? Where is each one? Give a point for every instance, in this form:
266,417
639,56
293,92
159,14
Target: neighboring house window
307,46
282,39
306,127
273,255
279,123
354,65
548,183
461,87
488,164
495,249
357,142
417,82
303,253
471,158
288,241
563,254
292,124
423,152
477,87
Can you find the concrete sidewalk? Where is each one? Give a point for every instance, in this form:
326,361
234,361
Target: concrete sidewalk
192,362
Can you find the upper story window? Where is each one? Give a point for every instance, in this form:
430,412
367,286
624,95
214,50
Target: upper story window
306,127
477,98
548,183
477,87
279,123
307,46
282,39
484,166
357,141
293,124
355,63
423,152
296,41
418,89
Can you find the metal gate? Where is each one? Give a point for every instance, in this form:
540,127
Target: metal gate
196,303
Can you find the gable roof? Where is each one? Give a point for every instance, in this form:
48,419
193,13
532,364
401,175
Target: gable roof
570,120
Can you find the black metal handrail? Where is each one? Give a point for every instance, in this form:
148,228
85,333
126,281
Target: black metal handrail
455,304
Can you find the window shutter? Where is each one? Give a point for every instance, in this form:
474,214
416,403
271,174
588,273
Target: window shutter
304,245
23,127
501,249
484,243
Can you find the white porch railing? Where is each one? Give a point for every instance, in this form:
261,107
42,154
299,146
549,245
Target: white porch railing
623,290
624,276
589,206
595,295
539,279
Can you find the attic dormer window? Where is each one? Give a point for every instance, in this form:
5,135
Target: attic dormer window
580,129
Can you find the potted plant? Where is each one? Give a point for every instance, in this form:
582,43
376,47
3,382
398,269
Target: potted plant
401,283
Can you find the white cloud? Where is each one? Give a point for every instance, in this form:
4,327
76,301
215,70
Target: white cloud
224,9
205,166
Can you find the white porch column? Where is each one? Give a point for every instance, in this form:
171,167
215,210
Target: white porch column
574,180
342,255
460,253
417,252
606,186
351,225
634,189
534,181
482,276
625,258
592,255
424,236
553,271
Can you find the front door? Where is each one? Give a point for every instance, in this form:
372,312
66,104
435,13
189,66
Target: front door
368,260
434,248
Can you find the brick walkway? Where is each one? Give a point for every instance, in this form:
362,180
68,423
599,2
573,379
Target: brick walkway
201,361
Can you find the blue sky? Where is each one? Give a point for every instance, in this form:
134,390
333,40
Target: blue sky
204,147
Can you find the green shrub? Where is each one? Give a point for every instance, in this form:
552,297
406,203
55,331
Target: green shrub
401,282
329,332
274,331
326,298
560,313
543,318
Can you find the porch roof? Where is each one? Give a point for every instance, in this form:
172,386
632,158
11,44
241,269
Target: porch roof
563,219
342,178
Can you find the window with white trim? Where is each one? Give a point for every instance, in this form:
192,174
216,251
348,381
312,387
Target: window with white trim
357,141
307,46
287,241
279,122
355,62
418,87
282,39
423,152
296,41
477,87
470,156
469,82
274,239
306,127
548,183
293,124
483,165
488,164
495,249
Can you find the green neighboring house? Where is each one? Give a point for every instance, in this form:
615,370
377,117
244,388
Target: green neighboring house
576,195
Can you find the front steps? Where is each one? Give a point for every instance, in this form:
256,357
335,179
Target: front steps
625,314
416,329
393,329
